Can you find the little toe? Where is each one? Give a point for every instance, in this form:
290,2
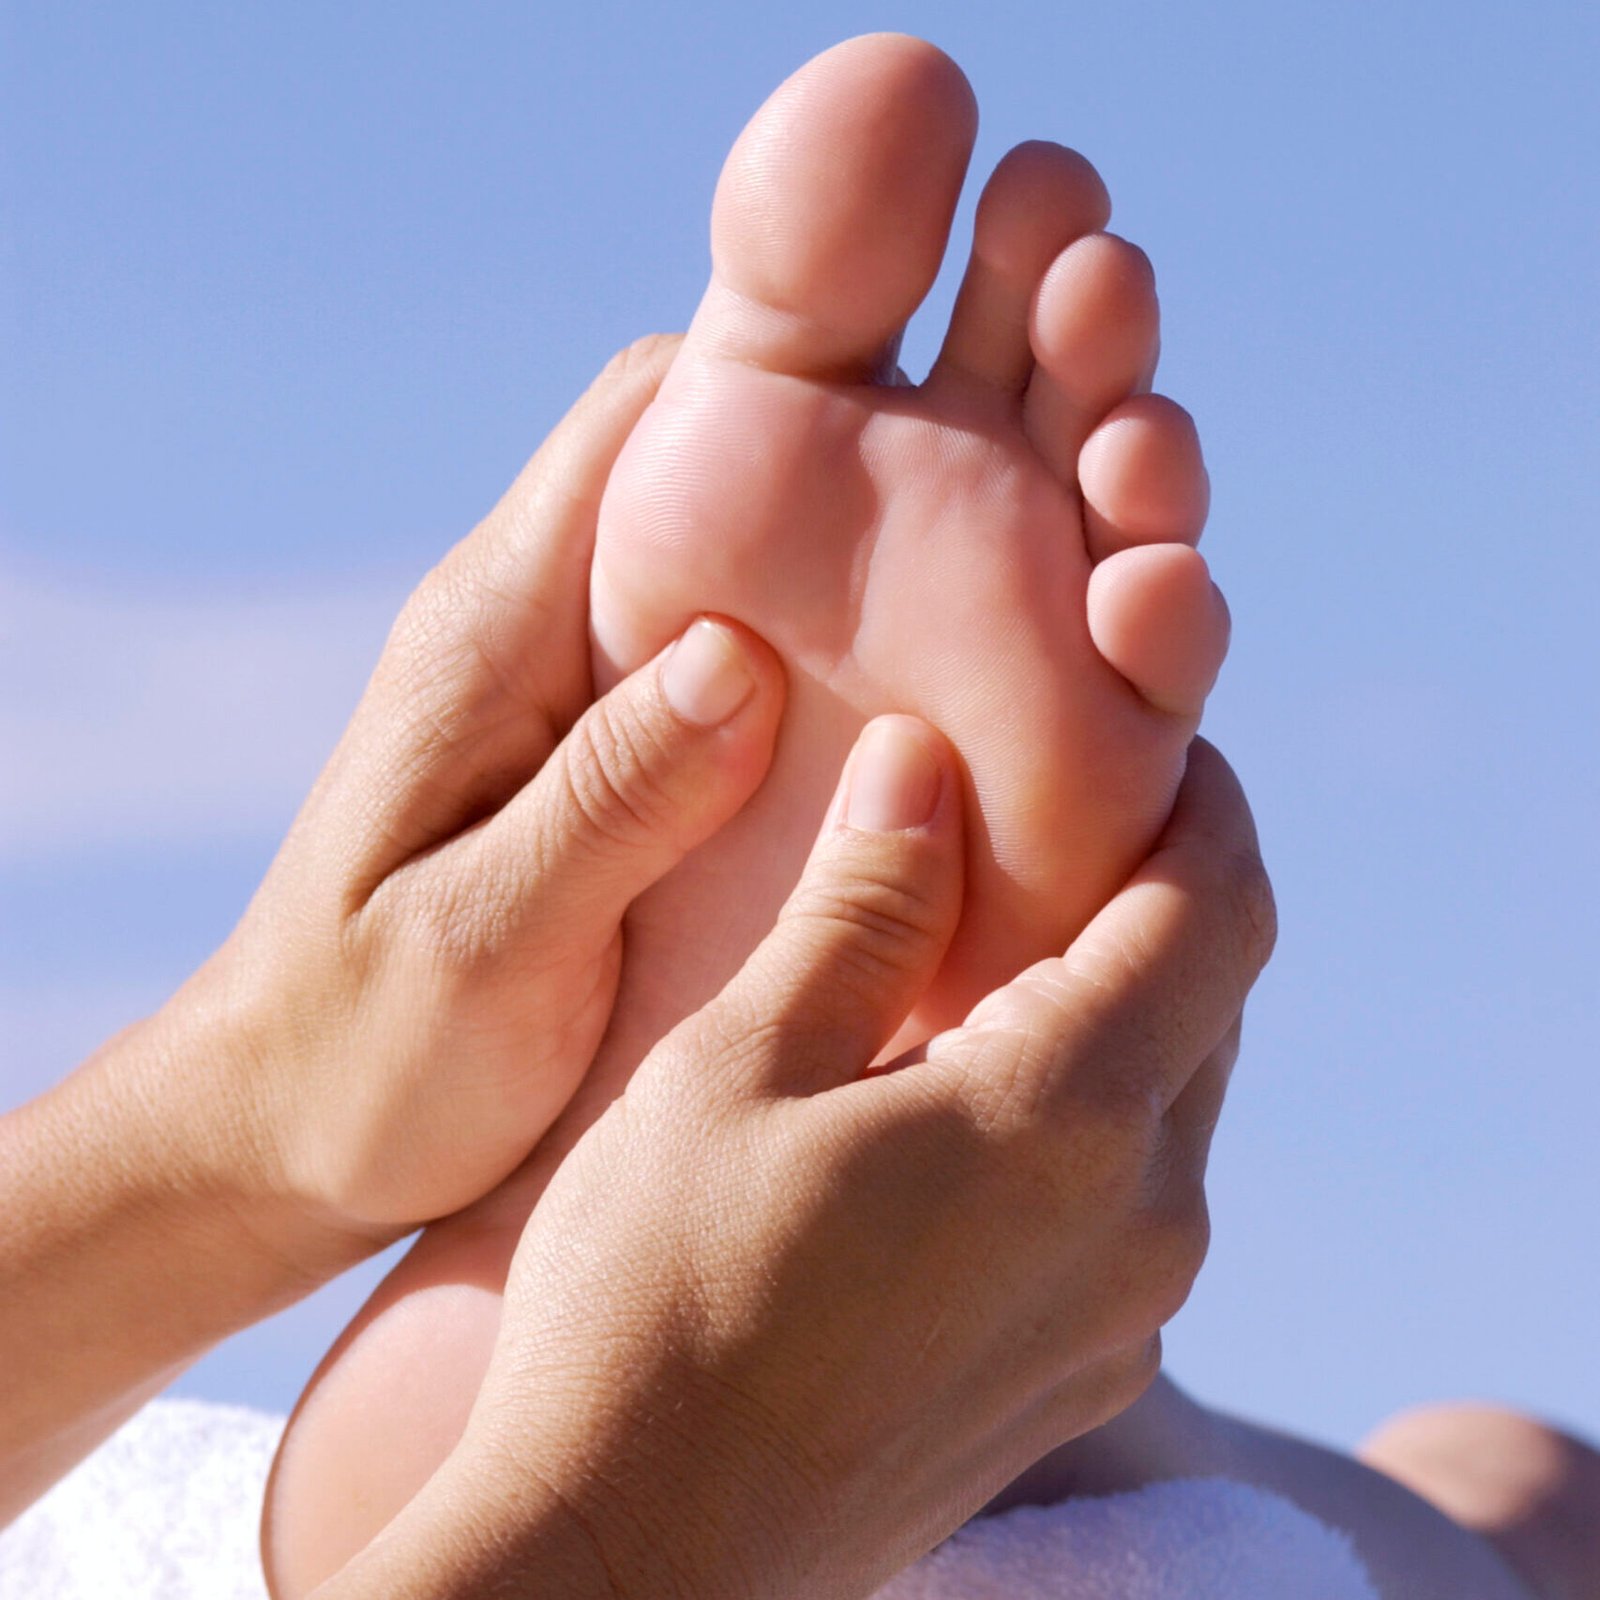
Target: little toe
1143,478
1159,620
834,207
1037,201
1095,332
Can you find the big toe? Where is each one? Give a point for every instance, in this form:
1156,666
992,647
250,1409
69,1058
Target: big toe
834,207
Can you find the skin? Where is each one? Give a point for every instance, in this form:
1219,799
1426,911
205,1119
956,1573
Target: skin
1005,550
1529,1489
242,1120
412,994
882,536
465,866
821,1313
1412,1549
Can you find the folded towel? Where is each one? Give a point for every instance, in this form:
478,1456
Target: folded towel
167,1510
1190,1539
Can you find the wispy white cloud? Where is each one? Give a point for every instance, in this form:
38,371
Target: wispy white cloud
47,1028
168,718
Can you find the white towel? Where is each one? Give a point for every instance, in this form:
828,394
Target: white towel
1190,1539
167,1510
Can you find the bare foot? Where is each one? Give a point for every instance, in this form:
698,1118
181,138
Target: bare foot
1005,550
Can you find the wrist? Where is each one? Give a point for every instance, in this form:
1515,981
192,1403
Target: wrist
135,1233
486,1526
202,1086
629,1483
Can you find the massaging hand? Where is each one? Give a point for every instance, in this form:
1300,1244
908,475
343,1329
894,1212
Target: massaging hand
414,992
426,972
779,1324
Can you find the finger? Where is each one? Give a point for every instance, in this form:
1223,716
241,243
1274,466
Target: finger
1149,989
1175,1174
863,933
489,661
1194,1115
649,771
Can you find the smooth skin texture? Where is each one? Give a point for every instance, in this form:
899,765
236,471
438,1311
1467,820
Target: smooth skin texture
1531,1490
415,989
1005,551
929,549
780,1323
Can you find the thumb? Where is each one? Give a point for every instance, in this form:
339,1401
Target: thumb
863,934
649,771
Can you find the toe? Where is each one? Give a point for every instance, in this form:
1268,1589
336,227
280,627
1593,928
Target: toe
1040,198
1143,478
1095,332
1156,616
834,207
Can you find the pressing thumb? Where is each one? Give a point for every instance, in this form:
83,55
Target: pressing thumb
649,771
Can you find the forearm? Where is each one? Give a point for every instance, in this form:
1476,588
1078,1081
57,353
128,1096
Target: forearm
136,1231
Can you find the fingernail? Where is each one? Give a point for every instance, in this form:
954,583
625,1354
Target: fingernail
706,678
894,780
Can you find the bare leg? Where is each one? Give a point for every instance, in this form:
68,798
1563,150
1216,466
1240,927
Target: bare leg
1412,1549
1532,1491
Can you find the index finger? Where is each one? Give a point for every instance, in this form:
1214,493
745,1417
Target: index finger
1151,987
489,663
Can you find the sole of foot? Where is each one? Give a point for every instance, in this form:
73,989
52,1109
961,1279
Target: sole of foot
1006,549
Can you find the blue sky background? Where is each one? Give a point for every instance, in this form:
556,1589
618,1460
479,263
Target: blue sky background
291,290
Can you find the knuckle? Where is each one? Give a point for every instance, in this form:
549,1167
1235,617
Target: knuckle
648,355
426,619
1074,1153
1105,1170
442,655
420,633
1132,1372
873,890
450,926
1254,907
1004,1090
1122,1108
876,917
615,778
1172,1249
1106,1127
1024,1083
